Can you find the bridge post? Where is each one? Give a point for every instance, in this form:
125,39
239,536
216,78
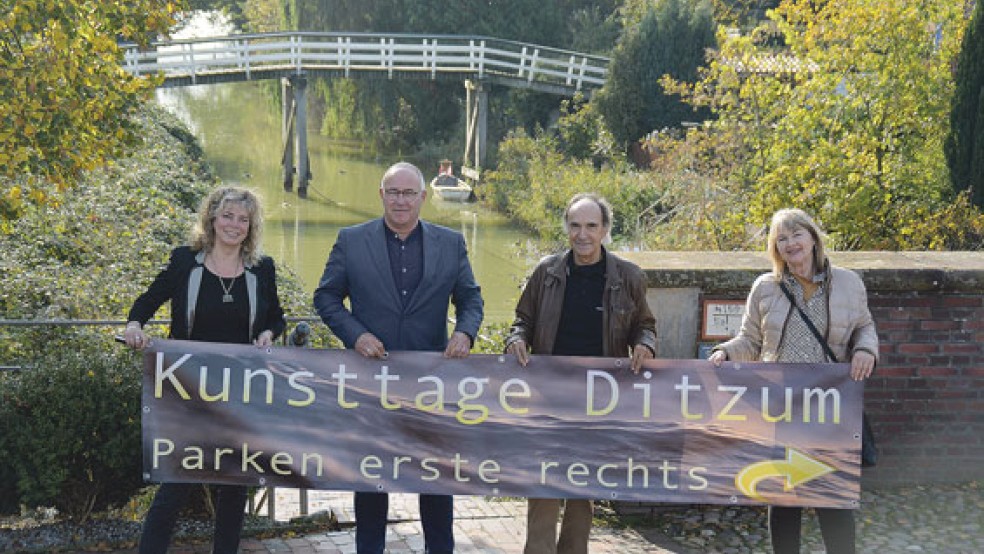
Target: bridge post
294,133
476,128
303,160
287,134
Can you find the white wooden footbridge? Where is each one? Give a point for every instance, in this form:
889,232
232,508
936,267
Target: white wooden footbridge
294,57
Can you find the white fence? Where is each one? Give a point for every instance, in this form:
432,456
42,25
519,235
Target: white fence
273,55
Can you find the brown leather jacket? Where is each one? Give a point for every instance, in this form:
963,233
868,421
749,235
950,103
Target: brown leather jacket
626,319
850,327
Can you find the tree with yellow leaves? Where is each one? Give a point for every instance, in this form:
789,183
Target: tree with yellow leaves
847,123
64,97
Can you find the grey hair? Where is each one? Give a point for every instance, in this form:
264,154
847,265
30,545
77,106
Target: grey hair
603,205
403,166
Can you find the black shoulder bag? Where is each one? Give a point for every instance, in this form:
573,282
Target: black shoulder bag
869,451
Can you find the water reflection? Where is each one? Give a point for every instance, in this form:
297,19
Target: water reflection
239,128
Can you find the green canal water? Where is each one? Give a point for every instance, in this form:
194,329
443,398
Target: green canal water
238,125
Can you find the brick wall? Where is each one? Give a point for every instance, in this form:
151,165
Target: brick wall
926,398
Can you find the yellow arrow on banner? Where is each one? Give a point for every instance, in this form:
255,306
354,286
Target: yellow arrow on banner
795,469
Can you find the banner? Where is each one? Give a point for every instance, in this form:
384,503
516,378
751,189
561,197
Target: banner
563,427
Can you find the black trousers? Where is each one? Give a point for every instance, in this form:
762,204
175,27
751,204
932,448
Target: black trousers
170,498
836,526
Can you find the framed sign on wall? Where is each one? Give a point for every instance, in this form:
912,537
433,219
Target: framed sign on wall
722,319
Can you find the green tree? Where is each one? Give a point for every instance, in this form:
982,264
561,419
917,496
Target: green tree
409,113
582,133
594,29
534,180
671,39
262,16
233,9
64,98
743,13
965,143
850,124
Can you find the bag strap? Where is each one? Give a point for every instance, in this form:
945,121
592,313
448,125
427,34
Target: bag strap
809,323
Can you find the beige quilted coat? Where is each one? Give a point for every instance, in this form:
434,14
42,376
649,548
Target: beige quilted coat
767,310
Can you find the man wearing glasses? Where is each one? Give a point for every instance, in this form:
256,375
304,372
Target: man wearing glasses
400,274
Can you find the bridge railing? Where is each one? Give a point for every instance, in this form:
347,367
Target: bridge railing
270,55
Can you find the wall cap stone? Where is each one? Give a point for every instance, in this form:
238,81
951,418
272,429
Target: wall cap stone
729,273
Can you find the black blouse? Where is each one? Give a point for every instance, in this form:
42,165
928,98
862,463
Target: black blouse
171,284
218,321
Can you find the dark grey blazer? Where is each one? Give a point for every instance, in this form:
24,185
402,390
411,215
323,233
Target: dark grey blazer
358,268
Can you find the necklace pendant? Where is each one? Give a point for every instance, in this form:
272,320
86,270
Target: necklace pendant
226,298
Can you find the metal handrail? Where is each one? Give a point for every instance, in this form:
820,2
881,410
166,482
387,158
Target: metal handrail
57,322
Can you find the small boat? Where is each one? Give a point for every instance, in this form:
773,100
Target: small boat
449,188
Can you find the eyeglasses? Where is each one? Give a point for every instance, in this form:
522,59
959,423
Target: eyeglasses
393,194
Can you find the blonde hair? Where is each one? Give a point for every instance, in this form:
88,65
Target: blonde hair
791,219
202,236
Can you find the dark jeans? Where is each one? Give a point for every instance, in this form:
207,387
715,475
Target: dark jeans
836,526
171,497
436,516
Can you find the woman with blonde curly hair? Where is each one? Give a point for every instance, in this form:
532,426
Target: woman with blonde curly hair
221,289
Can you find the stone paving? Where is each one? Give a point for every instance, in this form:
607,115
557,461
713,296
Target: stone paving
487,526
937,519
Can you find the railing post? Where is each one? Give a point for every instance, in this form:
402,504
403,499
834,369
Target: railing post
302,500
433,57
128,61
382,52
246,59
481,60
346,54
189,58
580,77
295,51
533,60
391,57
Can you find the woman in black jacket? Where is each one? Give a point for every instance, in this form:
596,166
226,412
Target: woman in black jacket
221,289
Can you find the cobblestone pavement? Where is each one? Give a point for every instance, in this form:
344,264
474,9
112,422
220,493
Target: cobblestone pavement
488,526
941,519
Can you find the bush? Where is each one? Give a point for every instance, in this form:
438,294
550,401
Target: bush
535,180
492,338
70,426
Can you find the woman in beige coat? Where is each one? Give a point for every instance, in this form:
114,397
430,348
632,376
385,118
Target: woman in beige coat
773,330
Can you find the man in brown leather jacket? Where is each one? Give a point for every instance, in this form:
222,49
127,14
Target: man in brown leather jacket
584,302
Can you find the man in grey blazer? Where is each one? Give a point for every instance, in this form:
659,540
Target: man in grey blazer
400,274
